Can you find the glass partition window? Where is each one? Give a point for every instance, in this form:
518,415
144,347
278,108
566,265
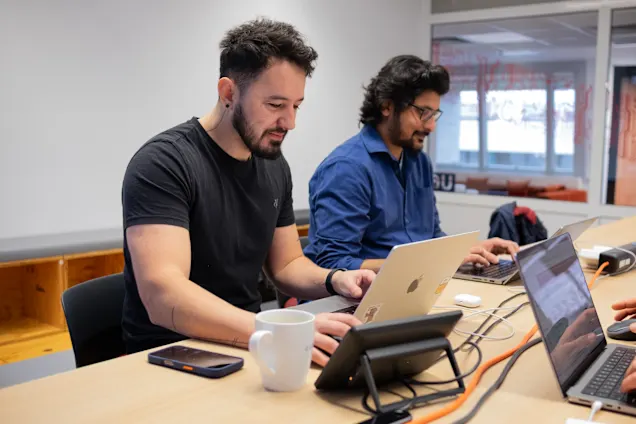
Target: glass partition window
462,105
621,122
519,108
516,125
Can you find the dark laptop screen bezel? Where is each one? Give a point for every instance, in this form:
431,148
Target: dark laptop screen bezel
528,253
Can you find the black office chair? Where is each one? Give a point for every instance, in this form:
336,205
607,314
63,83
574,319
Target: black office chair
302,216
93,312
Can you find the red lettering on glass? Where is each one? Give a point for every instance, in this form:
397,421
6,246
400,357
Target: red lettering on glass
629,127
582,124
518,77
510,73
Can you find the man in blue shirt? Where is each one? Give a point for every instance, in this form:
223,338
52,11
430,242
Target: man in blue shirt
375,190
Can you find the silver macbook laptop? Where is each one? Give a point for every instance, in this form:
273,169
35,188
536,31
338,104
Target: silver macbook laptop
586,366
506,270
409,282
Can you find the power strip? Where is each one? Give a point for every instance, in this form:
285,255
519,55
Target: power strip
618,259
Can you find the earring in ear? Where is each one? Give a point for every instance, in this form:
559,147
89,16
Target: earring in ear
227,105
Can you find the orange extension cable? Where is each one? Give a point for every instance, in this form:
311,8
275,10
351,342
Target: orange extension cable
484,367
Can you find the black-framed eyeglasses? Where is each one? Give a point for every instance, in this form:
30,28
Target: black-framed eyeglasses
427,113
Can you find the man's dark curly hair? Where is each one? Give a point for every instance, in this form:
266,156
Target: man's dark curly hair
400,81
249,49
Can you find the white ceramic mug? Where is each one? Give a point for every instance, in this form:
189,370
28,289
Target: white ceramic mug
282,345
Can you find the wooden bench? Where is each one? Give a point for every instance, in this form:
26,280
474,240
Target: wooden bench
35,271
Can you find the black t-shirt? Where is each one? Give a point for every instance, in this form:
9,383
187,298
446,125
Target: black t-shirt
230,207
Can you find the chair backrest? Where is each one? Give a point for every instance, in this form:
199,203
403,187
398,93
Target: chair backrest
93,312
518,188
302,216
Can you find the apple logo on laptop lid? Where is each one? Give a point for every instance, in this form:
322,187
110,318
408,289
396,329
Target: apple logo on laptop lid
416,283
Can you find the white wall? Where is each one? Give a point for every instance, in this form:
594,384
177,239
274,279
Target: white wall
85,83
458,217
460,214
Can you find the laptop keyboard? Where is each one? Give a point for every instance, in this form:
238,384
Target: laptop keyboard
607,381
348,310
503,269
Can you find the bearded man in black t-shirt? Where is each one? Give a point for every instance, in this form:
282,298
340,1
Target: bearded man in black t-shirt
207,204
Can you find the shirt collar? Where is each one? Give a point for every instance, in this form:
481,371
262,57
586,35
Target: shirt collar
373,141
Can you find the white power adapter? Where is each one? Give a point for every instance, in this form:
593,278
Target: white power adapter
590,256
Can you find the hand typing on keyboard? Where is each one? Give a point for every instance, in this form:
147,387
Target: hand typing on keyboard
627,309
629,381
329,327
351,284
485,253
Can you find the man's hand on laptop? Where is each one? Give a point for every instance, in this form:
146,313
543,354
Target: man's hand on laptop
329,325
626,309
352,284
629,381
485,253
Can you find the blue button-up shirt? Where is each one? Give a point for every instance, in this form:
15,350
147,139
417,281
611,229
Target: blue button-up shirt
359,209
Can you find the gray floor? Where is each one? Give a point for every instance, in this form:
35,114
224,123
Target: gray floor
54,363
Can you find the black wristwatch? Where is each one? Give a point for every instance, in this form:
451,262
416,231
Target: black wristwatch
328,284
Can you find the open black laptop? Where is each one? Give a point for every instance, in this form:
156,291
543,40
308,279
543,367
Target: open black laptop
506,271
586,366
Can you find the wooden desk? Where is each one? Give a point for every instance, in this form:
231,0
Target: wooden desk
129,390
303,230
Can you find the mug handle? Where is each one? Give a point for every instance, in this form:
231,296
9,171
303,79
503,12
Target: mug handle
257,345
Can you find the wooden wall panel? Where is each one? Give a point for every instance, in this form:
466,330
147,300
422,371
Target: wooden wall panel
81,269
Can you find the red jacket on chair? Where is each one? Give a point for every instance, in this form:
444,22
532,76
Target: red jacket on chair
518,224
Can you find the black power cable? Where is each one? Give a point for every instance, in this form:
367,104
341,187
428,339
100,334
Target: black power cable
478,339
410,403
407,401
459,377
466,418
493,325
483,324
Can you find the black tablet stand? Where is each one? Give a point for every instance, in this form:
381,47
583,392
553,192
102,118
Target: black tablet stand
409,349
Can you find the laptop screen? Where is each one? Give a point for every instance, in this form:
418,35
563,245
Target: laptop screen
562,305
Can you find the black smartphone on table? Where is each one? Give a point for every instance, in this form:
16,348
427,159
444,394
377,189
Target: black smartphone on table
196,361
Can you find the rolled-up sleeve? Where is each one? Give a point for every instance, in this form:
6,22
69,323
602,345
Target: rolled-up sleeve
340,199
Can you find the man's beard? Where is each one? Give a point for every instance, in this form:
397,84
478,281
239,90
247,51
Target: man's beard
253,143
395,135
